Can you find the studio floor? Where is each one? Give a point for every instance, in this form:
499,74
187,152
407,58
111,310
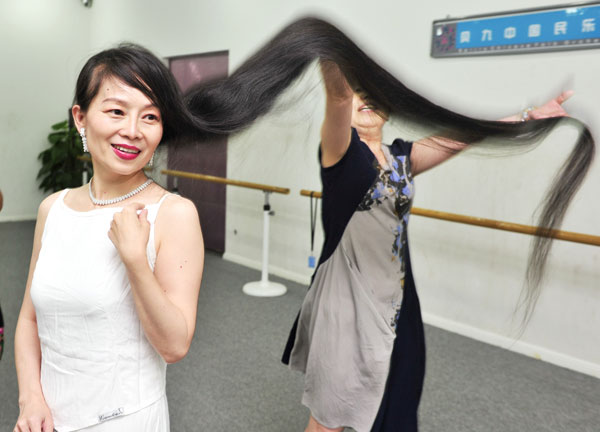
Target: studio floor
232,379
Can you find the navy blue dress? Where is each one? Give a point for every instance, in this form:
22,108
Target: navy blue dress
359,336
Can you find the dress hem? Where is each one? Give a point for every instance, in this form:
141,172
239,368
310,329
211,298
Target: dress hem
126,411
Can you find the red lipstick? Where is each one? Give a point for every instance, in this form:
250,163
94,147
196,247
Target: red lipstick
125,151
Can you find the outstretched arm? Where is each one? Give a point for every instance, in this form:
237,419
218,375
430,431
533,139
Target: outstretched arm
335,132
432,151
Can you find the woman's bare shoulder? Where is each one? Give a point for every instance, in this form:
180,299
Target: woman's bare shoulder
177,208
178,222
47,202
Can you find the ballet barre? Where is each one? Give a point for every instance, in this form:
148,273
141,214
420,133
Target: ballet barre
494,224
264,287
226,181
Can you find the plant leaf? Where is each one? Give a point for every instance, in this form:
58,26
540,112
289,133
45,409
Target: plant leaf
60,125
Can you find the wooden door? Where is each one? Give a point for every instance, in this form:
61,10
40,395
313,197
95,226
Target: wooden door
202,157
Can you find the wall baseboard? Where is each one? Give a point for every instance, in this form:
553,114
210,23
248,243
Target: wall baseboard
530,350
274,270
18,218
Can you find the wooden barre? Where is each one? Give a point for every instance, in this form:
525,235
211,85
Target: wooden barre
226,181
494,224
309,193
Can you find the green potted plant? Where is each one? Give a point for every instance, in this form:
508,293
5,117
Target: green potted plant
62,166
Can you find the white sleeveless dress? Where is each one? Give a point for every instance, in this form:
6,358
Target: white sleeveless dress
98,370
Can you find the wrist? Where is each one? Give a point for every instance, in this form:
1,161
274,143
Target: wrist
25,398
525,114
138,268
135,260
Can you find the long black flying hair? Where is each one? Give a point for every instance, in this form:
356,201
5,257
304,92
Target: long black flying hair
228,105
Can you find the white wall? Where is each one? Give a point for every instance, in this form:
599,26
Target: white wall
42,46
468,278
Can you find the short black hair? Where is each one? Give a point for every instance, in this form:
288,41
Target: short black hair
141,69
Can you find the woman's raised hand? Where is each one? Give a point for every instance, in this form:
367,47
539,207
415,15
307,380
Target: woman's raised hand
336,85
129,232
35,416
552,108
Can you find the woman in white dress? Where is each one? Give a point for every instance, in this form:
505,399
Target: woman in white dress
115,272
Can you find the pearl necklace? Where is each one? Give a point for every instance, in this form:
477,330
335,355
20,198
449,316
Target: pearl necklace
118,199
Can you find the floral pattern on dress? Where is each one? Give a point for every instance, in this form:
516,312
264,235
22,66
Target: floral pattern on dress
395,183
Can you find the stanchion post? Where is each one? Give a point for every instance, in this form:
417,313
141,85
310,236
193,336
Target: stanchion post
265,288
265,253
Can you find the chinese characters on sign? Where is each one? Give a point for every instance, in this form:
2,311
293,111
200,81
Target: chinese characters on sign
518,32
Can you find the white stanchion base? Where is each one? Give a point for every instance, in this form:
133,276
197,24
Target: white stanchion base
264,289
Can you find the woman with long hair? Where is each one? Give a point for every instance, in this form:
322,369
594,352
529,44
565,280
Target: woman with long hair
359,335
362,300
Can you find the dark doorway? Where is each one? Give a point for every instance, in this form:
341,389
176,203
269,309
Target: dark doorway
202,157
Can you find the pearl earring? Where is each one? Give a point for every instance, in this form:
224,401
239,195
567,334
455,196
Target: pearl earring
83,140
151,160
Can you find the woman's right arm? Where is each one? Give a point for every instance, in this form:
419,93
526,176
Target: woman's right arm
431,151
335,132
34,416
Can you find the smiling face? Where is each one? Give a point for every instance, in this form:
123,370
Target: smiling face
122,125
365,114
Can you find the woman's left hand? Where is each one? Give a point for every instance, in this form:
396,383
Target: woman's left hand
129,232
552,108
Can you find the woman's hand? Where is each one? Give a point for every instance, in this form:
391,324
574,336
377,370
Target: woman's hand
552,108
336,85
129,232
35,416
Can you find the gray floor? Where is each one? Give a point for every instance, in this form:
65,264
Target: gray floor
232,379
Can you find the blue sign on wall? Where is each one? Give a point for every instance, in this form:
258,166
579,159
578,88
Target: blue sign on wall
557,28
